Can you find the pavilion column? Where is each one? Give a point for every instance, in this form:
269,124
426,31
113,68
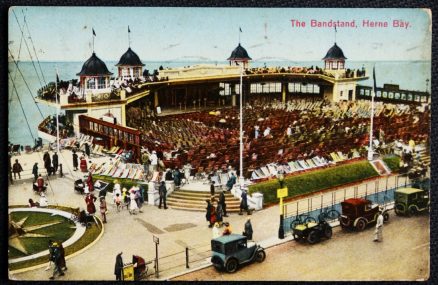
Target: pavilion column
283,91
156,103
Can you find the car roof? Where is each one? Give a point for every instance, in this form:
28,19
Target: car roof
408,190
356,201
229,238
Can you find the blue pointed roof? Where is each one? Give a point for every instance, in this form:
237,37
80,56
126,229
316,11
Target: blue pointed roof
94,66
335,52
129,58
239,54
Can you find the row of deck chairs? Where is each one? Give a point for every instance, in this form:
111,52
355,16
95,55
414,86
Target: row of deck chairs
118,169
73,142
273,169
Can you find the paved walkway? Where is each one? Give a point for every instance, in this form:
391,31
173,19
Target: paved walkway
133,234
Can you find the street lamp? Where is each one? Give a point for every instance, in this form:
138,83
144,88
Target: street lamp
281,193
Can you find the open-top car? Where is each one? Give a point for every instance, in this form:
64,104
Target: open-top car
359,212
312,232
231,251
409,201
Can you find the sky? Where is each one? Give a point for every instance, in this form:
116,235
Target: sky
210,34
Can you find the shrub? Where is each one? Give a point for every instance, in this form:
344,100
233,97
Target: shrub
393,162
316,180
124,182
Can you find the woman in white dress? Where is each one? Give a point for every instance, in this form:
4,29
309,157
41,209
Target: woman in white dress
133,208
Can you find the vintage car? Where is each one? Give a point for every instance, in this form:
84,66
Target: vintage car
409,201
312,232
359,212
231,251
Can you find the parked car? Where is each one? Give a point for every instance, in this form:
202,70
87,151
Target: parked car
409,201
231,251
359,212
312,232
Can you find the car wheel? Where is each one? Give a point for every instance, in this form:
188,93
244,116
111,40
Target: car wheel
260,256
360,225
231,266
312,237
412,211
385,216
399,209
328,232
345,222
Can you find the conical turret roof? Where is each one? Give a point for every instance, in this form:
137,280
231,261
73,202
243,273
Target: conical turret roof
94,66
129,58
239,54
335,52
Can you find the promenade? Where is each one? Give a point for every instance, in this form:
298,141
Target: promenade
133,234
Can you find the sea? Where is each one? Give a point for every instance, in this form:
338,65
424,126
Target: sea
30,76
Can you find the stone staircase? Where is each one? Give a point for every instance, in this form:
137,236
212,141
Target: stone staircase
424,155
190,200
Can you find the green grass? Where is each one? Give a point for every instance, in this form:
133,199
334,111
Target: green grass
393,162
315,181
89,236
61,231
124,182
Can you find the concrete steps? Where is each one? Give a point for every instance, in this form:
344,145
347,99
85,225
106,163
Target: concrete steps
195,200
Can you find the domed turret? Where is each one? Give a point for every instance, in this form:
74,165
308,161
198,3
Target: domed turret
130,65
239,55
94,75
94,66
334,59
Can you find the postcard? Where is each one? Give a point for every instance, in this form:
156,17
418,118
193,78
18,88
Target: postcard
283,144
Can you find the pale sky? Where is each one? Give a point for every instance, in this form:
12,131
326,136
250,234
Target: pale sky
210,34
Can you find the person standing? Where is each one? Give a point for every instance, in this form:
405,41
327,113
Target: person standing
47,163
87,150
133,208
248,229
223,203
40,184
75,161
145,161
55,162
244,203
103,209
16,168
154,161
62,263
35,172
56,258
208,210
163,192
212,189
89,200
118,268
90,183
219,213
215,231
177,177
379,228
231,182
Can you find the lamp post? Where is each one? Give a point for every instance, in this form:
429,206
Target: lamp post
281,193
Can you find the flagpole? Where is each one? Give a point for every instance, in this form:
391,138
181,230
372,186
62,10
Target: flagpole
370,149
129,37
241,127
57,111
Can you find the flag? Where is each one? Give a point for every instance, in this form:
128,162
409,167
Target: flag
94,33
240,29
129,30
374,78
335,29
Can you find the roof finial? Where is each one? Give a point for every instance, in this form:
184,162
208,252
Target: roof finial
335,33
94,34
240,31
129,37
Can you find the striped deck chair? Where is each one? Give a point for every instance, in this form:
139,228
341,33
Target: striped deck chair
310,163
303,164
298,167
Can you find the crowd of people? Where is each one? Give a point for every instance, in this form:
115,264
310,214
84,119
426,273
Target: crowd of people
279,132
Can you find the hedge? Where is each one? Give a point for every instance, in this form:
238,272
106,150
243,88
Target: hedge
316,180
124,182
393,162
